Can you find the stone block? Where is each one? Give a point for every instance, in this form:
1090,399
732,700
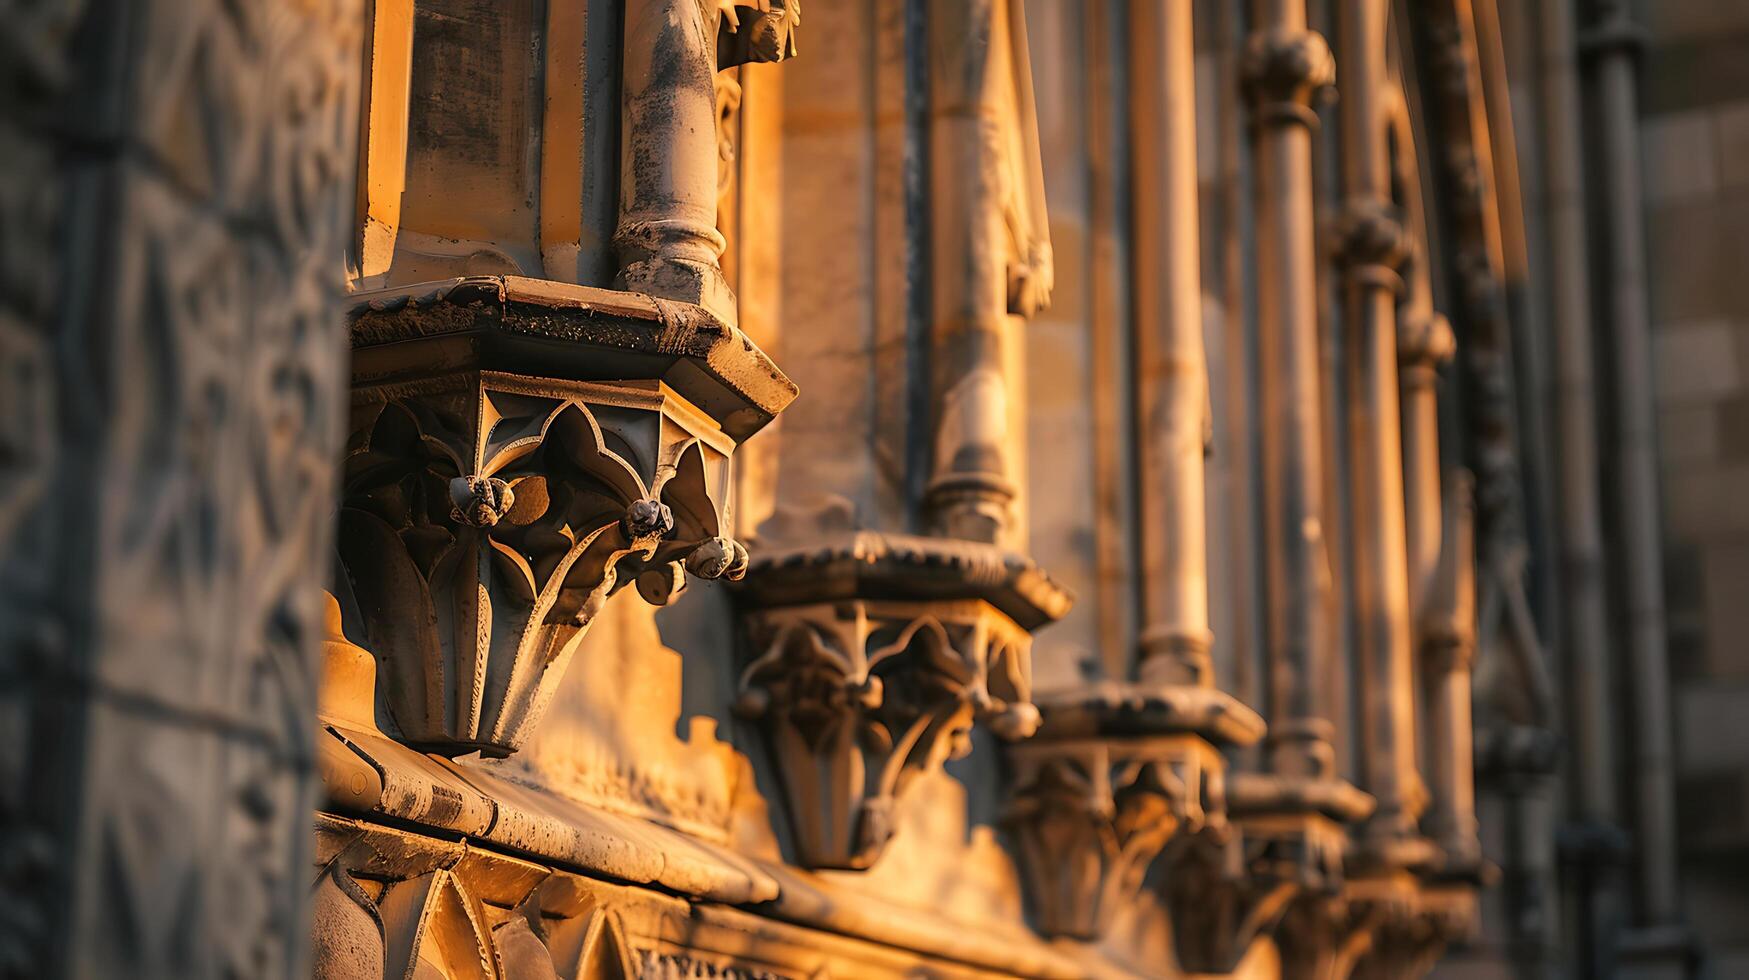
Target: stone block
1731,132
1725,583
1669,20
1683,242
1695,362
1688,435
1680,156
1704,501
1731,428
1708,720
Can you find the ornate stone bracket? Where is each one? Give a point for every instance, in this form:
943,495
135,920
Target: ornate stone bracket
1285,858
1116,774
871,659
487,516
1407,924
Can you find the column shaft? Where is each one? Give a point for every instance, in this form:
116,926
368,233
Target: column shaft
1637,474
1285,64
1372,249
1172,385
667,239
1583,584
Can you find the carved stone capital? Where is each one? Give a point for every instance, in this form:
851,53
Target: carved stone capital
1372,244
871,659
1116,774
1424,339
751,31
486,516
1283,71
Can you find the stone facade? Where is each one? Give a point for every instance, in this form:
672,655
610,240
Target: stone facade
978,488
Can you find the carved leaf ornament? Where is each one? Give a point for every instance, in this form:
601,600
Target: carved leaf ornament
477,567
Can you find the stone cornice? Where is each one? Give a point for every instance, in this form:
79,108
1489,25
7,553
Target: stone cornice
560,330
1118,710
872,565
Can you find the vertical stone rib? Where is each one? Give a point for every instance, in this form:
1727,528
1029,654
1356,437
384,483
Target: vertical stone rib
1284,64
1588,645
1637,471
1371,251
1172,382
667,239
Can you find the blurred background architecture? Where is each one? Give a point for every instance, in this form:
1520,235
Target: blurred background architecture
905,488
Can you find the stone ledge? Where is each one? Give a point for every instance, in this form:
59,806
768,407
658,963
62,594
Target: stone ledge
428,798
872,565
1111,709
559,330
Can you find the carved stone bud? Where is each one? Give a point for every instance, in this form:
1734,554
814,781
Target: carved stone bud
480,501
718,558
1284,70
648,518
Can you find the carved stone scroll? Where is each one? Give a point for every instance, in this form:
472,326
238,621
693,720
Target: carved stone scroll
905,645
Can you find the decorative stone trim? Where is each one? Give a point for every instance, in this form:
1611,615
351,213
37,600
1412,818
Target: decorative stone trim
872,657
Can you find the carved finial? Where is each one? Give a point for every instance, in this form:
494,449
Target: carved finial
1424,338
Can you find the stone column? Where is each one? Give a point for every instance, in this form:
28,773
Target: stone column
1172,382
176,196
1583,583
1285,64
1371,249
1447,640
1642,560
668,241
990,262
